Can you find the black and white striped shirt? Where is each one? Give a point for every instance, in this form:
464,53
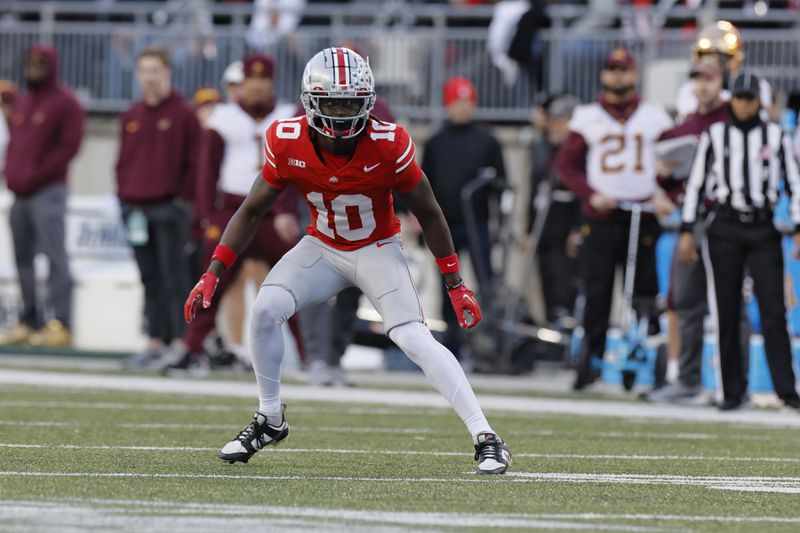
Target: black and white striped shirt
742,170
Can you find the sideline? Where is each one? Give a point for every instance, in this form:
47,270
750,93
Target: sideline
594,407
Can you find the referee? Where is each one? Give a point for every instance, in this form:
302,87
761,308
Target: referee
739,165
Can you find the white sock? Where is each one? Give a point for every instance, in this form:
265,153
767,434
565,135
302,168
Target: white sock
273,306
444,373
673,370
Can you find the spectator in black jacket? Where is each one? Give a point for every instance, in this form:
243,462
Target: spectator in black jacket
556,251
457,154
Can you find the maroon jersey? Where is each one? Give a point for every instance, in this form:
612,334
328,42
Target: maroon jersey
350,200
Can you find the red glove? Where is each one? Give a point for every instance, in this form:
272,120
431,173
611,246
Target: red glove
465,305
202,292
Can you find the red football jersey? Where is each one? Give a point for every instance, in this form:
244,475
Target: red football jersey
350,203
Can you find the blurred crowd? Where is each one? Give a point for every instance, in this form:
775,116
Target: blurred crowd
186,164
203,36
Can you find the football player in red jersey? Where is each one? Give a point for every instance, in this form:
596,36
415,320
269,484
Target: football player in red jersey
346,164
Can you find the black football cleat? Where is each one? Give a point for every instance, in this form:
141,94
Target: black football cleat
254,437
492,454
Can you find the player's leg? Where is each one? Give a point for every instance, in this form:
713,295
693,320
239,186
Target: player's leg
383,275
270,247
303,277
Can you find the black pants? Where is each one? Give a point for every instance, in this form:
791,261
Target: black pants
558,272
688,298
606,247
163,269
732,245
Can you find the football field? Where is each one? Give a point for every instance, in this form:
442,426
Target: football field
113,453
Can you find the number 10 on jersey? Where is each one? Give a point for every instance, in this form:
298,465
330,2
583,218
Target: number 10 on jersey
353,219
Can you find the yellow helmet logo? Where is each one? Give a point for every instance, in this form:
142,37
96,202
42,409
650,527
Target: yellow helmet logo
720,37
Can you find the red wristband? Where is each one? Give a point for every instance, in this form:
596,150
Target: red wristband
225,255
448,265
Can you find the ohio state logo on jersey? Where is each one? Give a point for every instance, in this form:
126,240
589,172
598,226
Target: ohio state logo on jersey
350,203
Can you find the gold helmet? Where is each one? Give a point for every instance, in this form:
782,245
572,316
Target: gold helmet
722,38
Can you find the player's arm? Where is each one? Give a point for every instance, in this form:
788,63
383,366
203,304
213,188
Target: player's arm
243,225
422,203
237,235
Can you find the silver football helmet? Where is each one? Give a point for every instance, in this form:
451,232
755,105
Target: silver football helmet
338,92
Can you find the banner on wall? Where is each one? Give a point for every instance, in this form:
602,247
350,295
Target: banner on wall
94,233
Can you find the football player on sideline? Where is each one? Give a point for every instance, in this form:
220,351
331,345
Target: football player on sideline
609,158
722,40
346,164
232,147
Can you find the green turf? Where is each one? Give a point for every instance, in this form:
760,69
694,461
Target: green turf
91,426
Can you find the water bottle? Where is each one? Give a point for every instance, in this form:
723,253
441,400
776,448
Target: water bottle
137,228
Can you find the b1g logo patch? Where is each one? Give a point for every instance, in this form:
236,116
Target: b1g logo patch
164,124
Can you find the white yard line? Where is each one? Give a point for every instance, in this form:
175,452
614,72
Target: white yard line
367,429
367,514
347,451
118,406
788,485
137,516
145,406
243,508
506,404
670,518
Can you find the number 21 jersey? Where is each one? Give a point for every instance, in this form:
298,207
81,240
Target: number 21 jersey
351,204
621,161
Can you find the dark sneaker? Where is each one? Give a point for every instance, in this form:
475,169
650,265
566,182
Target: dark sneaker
731,404
254,437
792,403
188,364
224,360
492,454
587,372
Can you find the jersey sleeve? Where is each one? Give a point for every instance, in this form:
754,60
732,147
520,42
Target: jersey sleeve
663,121
577,121
270,171
407,172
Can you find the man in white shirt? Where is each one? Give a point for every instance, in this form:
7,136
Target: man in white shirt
609,158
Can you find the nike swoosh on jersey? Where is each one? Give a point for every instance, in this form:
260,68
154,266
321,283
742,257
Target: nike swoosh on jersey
379,244
370,169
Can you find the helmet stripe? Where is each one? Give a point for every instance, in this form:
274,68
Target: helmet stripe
332,62
340,61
